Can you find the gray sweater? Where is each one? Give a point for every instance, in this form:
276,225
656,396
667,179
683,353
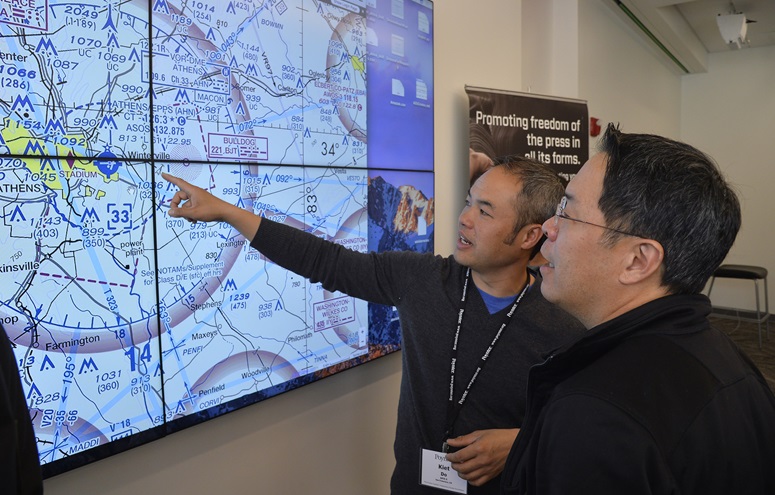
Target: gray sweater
426,290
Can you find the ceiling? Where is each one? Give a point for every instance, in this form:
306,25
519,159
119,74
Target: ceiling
688,31
701,16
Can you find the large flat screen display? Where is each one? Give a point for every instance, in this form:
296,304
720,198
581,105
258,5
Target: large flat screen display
128,324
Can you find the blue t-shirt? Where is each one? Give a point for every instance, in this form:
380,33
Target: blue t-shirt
495,304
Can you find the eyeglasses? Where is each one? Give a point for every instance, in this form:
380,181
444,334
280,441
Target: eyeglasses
560,213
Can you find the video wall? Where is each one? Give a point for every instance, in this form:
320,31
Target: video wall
129,324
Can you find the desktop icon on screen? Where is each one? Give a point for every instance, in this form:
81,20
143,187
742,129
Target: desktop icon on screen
421,90
397,88
397,45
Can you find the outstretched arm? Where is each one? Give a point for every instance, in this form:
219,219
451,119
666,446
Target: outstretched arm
197,205
333,265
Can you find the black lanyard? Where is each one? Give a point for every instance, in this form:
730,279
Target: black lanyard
454,407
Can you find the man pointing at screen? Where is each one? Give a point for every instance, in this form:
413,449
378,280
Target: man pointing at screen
472,324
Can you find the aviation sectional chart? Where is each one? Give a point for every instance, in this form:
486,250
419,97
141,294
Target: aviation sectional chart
211,301
124,318
295,70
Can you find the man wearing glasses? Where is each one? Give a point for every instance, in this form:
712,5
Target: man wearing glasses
653,399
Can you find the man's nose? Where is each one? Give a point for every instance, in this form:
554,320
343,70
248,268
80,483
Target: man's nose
549,228
465,216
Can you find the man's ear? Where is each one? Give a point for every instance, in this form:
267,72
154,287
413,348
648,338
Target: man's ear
529,235
644,260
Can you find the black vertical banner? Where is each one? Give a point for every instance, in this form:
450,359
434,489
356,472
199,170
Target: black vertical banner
549,129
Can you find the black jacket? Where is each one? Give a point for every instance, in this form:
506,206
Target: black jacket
653,401
19,465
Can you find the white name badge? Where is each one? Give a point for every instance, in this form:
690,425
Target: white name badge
436,471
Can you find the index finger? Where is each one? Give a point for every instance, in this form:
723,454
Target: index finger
177,181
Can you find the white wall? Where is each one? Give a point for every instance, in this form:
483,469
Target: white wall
623,78
729,113
550,47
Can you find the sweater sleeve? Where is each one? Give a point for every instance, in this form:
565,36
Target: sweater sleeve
375,277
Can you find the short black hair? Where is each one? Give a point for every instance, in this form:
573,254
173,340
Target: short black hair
670,192
541,191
